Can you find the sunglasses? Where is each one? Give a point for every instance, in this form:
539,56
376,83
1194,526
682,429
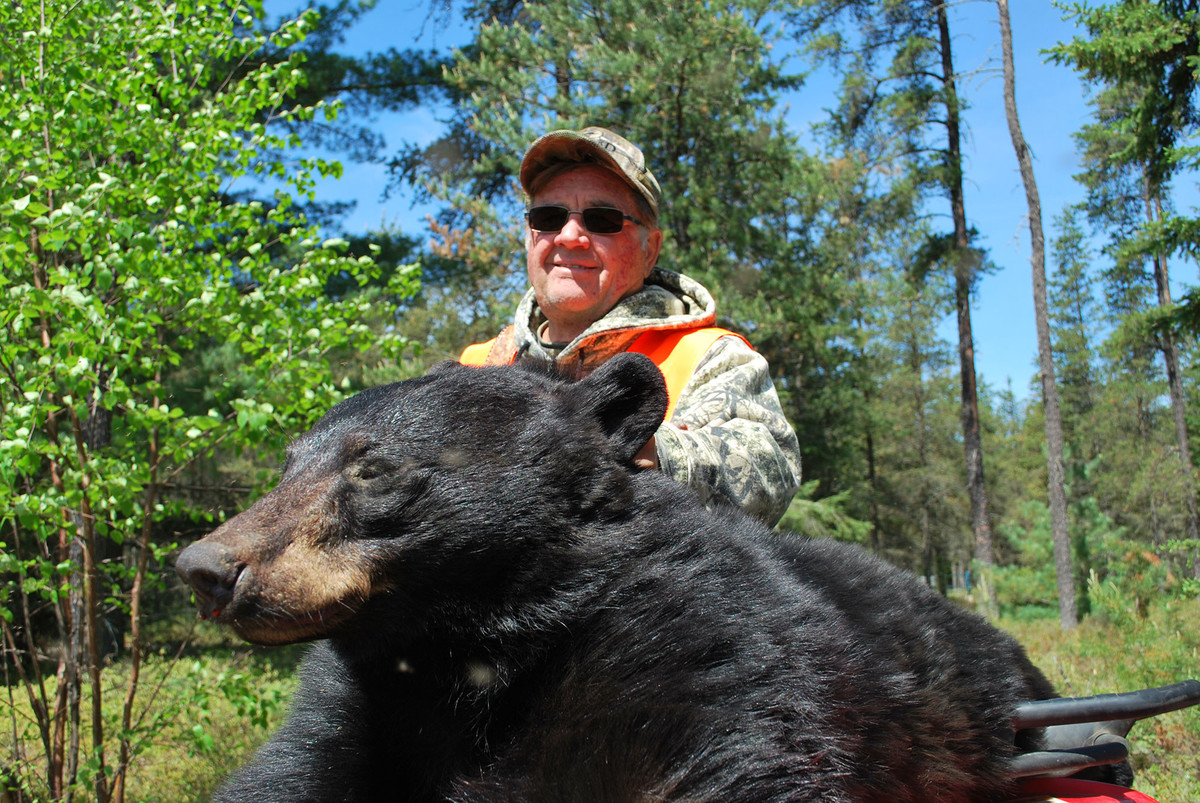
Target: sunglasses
596,219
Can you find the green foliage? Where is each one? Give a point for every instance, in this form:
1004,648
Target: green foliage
1140,58
251,698
1028,582
1074,316
1117,575
824,518
1151,46
125,255
917,458
899,106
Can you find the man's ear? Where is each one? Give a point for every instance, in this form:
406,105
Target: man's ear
654,241
627,396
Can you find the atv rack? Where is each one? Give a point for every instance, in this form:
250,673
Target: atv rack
1083,732
1087,732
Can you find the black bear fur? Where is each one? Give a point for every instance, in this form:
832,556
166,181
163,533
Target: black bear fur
510,611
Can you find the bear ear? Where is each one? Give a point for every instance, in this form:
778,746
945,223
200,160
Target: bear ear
628,396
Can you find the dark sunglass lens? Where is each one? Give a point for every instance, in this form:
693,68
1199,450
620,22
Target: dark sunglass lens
596,219
548,218
603,220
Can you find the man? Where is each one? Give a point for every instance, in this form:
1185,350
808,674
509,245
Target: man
592,241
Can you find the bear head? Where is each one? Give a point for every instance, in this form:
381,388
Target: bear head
452,489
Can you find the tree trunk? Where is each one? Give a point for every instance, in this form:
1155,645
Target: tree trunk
1170,352
915,364
964,274
928,569
120,775
1055,475
873,484
90,626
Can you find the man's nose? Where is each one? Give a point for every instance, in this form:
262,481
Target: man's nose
573,232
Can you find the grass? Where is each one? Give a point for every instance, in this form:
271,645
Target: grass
212,707
200,714
237,697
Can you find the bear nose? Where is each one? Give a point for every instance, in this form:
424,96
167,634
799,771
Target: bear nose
212,571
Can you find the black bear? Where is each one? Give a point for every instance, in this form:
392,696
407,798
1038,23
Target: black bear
510,611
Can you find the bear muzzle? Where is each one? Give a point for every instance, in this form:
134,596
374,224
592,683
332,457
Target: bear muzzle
211,570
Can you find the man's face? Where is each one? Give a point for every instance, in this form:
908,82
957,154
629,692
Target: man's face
578,276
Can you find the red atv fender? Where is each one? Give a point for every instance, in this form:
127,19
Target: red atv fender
1073,790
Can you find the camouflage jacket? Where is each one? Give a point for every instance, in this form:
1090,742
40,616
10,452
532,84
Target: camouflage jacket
728,439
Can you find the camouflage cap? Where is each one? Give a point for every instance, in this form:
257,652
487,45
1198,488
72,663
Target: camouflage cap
591,144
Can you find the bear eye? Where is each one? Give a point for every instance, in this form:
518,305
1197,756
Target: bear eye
369,470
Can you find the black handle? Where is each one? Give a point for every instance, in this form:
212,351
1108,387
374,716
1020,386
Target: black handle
1131,705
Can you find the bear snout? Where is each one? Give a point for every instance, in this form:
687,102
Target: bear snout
212,571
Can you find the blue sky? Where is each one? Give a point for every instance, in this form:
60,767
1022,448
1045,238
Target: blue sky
1051,105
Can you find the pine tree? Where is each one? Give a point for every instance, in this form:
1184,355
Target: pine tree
1141,54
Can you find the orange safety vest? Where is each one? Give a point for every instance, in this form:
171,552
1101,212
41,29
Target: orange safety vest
676,352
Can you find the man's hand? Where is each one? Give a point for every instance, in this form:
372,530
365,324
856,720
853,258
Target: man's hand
647,456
